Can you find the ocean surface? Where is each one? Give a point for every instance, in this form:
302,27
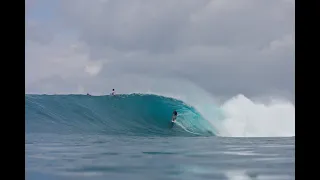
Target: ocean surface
131,137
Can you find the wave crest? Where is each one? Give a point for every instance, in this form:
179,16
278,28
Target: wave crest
133,114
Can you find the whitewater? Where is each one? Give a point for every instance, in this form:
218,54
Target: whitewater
77,136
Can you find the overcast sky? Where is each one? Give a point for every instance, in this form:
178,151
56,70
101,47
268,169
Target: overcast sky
226,47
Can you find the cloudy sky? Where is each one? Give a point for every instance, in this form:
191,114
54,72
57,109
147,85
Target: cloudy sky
226,47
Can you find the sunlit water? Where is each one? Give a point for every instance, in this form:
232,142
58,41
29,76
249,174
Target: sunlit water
52,156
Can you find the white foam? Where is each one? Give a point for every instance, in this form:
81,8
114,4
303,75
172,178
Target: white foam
246,118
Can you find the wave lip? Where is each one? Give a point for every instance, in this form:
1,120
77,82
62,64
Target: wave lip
132,114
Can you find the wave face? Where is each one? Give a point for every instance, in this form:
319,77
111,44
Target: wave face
133,114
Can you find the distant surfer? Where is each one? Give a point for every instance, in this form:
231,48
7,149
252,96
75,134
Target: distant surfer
113,92
174,117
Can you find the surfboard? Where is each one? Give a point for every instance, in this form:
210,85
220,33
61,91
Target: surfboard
172,123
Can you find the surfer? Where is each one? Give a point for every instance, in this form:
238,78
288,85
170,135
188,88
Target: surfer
174,116
113,92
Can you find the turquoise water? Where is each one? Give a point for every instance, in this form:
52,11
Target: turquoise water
134,114
130,137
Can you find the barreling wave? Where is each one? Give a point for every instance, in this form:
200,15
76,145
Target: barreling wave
132,114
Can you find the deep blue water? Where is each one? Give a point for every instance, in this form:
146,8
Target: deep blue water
130,137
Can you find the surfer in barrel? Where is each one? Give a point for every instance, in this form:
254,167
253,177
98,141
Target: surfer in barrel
174,117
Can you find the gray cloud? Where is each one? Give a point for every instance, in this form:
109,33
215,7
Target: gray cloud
37,32
226,47
168,25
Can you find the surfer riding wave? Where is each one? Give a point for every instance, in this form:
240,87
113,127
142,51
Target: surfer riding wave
174,117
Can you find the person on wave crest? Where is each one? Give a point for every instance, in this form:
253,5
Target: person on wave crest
113,92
